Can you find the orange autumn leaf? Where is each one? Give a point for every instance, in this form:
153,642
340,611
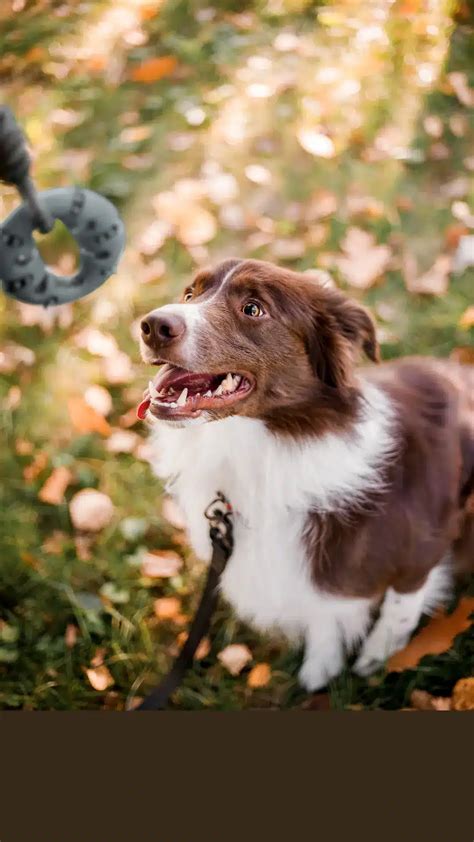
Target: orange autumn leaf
167,607
436,637
85,419
99,678
259,676
34,469
154,69
53,490
467,319
463,694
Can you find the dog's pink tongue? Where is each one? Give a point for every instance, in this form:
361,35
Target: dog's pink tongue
142,408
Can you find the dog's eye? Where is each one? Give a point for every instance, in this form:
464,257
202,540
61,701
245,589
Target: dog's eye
188,295
253,309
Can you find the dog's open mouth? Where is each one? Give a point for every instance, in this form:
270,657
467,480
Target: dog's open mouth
178,393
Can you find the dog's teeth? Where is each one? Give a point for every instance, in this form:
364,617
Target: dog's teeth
182,398
207,394
152,389
237,380
173,404
219,390
228,383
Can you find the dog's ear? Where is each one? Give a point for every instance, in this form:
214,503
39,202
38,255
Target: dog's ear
356,325
339,329
328,352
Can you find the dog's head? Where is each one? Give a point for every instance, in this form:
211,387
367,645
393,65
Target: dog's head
251,339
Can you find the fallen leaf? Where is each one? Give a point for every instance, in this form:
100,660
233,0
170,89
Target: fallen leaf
54,543
55,486
465,356
318,701
234,657
23,447
99,399
91,510
95,342
164,564
467,319
70,635
363,261
453,234
433,282
13,355
85,419
99,678
172,513
463,694
421,700
436,637
13,398
460,86
433,125
167,607
135,134
37,466
118,369
122,441
154,69
259,676
196,225
464,257
316,143
201,652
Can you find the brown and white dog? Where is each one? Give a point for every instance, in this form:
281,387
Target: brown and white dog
352,488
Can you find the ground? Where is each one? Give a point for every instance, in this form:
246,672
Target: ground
335,138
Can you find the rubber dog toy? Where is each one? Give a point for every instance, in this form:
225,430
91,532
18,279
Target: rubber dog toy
91,219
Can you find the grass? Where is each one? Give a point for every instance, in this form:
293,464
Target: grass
71,82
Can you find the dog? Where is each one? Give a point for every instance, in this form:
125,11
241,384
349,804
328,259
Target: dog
353,487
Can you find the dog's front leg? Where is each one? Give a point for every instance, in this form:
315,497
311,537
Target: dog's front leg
324,654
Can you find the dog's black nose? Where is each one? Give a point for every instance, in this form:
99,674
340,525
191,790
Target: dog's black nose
162,328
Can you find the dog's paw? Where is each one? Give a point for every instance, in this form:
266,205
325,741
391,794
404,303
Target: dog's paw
314,674
375,652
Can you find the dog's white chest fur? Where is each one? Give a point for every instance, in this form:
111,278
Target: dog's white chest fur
272,485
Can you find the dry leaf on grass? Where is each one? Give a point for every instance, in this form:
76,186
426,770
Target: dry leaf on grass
55,486
172,513
363,261
122,441
162,565
99,399
467,319
96,342
91,510
99,678
436,637
259,676
153,69
36,467
465,356
235,657
460,86
316,143
70,635
167,607
463,694
433,282
201,652
85,419
421,700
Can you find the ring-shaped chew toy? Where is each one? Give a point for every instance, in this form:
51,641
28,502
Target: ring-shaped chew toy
91,219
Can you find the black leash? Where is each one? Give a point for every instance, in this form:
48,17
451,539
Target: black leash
219,515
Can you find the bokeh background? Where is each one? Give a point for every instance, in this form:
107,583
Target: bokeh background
332,138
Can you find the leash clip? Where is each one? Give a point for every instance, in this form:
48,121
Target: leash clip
219,514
